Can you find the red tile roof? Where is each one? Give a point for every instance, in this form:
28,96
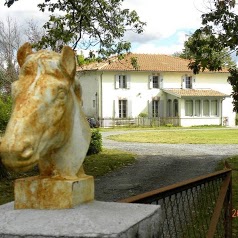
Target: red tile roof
194,93
146,62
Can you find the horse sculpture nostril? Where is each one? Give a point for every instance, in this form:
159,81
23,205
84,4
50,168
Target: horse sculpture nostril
27,152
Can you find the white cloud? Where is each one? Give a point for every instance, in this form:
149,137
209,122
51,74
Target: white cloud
168,21
23,10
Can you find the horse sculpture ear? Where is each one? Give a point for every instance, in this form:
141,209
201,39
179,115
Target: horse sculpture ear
68,61
23,52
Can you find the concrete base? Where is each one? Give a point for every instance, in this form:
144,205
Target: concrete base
49,193
95,219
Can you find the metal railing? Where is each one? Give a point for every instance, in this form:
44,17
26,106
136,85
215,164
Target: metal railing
160,121
199,207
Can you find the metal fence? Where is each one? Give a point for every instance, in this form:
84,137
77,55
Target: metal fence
139,121
161,121
199,207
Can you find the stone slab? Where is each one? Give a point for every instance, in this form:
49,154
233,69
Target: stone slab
95,219
51,193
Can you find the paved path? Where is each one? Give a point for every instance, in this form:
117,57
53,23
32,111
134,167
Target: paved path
158,165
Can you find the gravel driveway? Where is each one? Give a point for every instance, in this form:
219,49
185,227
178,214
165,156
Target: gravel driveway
157,165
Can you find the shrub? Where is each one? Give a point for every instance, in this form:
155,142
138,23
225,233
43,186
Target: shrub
96,142
143,114
5,111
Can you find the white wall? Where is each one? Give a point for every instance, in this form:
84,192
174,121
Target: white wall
139,95
89,86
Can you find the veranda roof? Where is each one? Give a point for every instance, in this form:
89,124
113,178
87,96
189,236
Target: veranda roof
180,93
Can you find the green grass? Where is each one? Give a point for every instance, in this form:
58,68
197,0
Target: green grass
200,136
107,161
95,165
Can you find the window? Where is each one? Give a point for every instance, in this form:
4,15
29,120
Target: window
122,108
188,82
206,108
122,81
155,108
197,108
169,112
214,111
155,81
175,107
188,107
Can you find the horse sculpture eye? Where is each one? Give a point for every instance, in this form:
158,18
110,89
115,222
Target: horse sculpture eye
61,95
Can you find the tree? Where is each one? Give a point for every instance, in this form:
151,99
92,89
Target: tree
217,34
205,53
10,41
88,23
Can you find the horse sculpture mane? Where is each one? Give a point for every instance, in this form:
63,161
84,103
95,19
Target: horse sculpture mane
47,125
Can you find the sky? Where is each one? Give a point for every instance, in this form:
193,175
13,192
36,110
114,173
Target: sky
169,22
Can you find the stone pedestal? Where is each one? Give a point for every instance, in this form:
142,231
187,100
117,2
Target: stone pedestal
95,219
49,193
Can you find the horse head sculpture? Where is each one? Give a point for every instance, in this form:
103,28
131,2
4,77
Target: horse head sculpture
47,125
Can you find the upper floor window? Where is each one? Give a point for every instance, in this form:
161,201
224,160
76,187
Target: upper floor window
122,81
154,81
188,82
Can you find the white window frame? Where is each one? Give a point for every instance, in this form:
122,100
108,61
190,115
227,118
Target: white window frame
189,107
122,108
214,108
188,82
155,81
122,81
155,108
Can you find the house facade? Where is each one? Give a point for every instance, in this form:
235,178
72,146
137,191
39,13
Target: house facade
160,86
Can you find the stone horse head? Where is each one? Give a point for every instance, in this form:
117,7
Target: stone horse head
47,125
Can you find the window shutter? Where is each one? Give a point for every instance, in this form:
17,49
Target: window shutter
183,80
116,108
116,81
128,82
161,81
149,106
129,107
193,82
150,81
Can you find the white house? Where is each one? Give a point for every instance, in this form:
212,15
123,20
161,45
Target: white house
161,86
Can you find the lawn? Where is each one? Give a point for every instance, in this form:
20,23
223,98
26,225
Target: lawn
191,136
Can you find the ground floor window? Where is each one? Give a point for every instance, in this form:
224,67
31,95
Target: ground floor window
214,111
197,112
122,108
169,107
206,108
175,107
155,108
200,108
188,107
